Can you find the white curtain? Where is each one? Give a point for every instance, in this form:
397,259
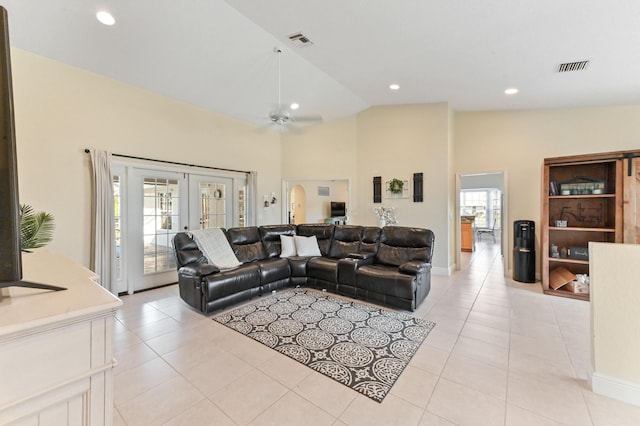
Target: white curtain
252,190
102,223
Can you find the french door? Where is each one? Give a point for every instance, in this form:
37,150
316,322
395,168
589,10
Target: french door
211,201
158,208
152,205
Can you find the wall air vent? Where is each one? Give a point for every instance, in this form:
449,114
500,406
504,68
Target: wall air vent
300,40
573,66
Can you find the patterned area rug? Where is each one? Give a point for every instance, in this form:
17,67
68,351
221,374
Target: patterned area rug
360,346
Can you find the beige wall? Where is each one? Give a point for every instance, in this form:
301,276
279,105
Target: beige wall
61,110
396,141
317,207
388,141
518,141
615,335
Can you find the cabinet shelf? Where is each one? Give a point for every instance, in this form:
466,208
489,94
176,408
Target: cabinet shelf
564,293
566,197
567,260
579,229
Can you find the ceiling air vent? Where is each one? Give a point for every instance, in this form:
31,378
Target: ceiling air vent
300,40
573,66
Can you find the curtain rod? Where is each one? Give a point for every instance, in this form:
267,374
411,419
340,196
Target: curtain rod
174,162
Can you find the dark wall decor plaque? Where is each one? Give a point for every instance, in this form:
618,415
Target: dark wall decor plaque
418,186
377,189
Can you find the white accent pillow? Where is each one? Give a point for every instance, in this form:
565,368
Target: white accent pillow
307,246
288,246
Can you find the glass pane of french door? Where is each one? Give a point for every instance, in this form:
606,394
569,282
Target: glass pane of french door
211,202
158,204
161,200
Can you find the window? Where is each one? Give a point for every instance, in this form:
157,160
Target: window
483,204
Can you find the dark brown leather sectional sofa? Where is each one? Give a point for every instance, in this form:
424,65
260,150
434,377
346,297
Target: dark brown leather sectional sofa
389,266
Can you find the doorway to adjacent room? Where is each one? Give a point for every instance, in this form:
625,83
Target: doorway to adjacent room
481,200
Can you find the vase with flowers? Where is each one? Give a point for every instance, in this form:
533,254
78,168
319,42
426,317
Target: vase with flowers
386,215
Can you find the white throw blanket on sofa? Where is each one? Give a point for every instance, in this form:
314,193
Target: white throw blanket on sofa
215,246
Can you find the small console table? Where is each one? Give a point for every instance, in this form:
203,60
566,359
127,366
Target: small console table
56,350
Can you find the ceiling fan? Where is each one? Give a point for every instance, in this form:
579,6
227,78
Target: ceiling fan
281,116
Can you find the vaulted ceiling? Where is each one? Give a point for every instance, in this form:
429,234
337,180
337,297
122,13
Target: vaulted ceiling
220,55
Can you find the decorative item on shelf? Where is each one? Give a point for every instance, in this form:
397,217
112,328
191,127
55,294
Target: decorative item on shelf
579,253
386,215
217,194
36,229
582,185
561,223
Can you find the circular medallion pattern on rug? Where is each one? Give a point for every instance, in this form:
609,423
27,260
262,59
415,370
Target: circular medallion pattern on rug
307,316
261,317
370,337
336,325
283,307
266,338
315,339
385,323
361,346
302,299
351,354
286,327
325,306
353,314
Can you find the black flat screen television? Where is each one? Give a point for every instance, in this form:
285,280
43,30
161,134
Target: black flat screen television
338,209
10,254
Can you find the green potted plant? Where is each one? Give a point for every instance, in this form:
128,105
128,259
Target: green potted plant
396,186
36,229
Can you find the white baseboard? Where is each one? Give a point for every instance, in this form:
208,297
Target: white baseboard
437,270
619,389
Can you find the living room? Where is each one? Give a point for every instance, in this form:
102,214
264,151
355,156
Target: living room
60,110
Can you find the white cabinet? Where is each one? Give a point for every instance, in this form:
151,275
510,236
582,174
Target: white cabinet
56,351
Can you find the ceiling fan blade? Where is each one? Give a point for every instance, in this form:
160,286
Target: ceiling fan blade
307,119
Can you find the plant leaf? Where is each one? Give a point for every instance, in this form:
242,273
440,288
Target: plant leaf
36,229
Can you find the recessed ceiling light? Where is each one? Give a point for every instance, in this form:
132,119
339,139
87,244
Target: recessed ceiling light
294,106
105,17
511,91
394,87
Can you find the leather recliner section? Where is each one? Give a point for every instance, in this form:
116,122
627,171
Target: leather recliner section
391,266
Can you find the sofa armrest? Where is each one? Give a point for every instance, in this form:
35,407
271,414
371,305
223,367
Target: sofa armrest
367,255
414,267
198,269
347,268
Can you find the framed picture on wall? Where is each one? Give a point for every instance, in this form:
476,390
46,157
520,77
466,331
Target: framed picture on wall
397,188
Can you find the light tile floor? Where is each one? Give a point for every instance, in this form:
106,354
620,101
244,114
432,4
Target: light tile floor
502,353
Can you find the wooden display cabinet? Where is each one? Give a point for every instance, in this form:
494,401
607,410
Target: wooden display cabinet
581,202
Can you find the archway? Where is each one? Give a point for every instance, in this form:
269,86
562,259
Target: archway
298,212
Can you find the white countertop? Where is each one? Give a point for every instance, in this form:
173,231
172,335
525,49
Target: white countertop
24,308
